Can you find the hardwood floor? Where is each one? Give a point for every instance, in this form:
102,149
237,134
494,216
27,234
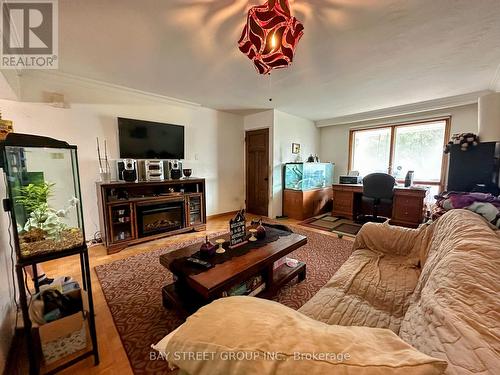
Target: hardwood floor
113,359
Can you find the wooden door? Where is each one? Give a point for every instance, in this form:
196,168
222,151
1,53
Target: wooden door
257,171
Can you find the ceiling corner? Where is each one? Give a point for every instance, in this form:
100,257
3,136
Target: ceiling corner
413,108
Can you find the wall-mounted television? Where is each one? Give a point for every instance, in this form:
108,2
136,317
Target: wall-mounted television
150,140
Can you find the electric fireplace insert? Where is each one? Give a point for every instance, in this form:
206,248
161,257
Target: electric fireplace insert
161,217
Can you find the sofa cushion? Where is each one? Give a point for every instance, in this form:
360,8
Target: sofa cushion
246,335
370,289
454,312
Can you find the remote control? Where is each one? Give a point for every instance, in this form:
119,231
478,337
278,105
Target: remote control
199,262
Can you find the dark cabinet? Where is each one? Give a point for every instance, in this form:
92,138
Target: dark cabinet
121,222
134,212
194,209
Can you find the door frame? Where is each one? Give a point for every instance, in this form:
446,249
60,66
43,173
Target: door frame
269,166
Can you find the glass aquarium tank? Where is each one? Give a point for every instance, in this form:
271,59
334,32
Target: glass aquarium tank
44,193
308,176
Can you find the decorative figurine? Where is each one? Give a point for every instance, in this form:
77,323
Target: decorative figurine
207,248
465,140
220,249
261,231
253,232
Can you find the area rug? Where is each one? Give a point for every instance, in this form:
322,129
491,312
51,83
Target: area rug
332,224
132,288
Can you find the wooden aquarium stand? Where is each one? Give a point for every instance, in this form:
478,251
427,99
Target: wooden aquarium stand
301,205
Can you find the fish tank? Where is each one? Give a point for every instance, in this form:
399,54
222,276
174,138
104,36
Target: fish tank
44,195
308,176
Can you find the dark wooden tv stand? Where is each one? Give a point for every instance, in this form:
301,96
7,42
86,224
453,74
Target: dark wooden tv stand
135,212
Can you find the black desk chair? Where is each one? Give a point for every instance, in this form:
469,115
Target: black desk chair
378,188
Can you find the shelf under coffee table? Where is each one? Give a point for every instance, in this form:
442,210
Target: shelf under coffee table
190,292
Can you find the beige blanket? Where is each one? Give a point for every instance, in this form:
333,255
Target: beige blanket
247,335
454,313
372,288
438,287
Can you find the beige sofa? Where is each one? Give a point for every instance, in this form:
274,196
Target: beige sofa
437,287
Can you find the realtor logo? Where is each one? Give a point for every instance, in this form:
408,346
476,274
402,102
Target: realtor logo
29,34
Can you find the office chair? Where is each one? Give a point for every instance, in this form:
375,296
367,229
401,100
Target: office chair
377,188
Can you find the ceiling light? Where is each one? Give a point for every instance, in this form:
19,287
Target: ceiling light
270,35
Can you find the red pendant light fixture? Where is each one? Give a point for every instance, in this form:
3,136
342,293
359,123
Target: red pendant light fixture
270,36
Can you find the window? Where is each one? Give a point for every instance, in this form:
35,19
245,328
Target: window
371,150
419,148
396,149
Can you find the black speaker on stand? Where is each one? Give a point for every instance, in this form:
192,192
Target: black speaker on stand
127,170
172,169
175,174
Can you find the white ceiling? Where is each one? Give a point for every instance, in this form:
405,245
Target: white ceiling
355,56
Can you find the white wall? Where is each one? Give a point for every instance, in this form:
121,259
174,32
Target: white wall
214,139
260,120
284,129
489,117
334,145
290,129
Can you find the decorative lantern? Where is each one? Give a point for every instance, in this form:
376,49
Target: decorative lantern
270,36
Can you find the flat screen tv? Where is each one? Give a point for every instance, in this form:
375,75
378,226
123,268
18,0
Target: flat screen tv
150,140
477,166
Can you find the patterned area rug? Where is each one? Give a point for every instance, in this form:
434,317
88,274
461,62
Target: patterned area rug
132,288
332,224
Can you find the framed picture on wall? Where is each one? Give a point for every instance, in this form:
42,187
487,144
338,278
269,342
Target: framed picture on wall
295,148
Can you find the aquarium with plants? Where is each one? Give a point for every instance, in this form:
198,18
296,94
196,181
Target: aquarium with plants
308,176
44,194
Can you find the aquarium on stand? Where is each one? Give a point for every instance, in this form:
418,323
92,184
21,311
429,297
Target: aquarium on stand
44,203
307,189
308,176
44,193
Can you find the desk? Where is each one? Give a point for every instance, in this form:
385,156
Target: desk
407,205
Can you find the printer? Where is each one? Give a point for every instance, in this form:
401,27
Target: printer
352,177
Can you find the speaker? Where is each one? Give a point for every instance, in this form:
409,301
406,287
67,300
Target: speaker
127,170
175,174
172,169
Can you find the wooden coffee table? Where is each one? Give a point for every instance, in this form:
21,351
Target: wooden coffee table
190,292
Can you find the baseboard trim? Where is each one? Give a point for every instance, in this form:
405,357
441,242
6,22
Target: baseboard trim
222,214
